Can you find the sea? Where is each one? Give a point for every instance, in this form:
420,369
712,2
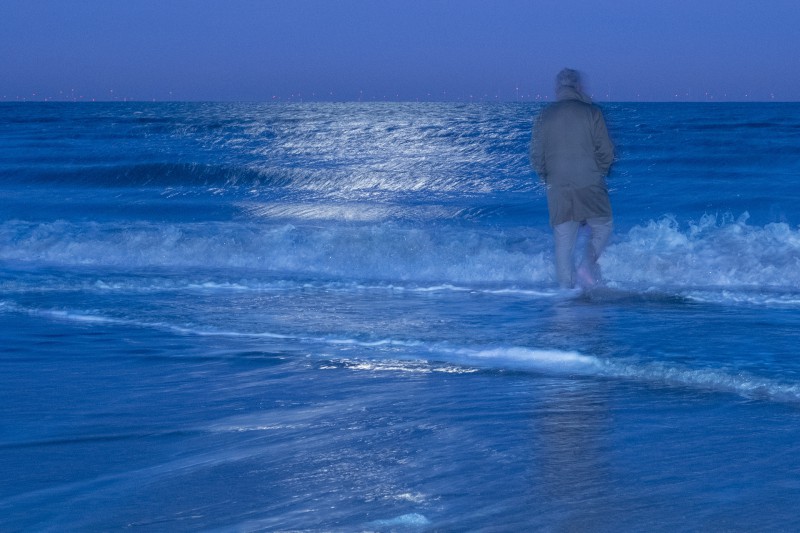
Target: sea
319,316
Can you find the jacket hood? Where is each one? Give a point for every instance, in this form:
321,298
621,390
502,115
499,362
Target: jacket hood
568,86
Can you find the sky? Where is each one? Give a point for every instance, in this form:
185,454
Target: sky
407,50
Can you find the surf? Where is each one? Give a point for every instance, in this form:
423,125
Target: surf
714,258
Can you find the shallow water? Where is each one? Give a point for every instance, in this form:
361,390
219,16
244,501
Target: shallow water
343,317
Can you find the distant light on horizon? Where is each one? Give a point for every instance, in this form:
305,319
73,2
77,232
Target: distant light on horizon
509,95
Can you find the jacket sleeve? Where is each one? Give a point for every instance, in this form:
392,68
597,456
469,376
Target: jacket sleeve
537,150
603,147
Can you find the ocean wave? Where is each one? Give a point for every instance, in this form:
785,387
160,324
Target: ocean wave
701,259
715,251
377,252
153,174
423,357
272,179
328,151
575,365
556,362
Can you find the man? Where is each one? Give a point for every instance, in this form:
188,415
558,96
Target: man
572,153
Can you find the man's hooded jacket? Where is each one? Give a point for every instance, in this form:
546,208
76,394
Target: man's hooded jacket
572,153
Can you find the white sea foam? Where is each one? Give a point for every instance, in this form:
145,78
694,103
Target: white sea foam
556,362
406,520
551,361
714,259
384,251
401,366
716,252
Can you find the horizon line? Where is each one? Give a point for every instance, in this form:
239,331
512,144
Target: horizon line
275,100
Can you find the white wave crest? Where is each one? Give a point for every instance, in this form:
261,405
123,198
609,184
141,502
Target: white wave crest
714,252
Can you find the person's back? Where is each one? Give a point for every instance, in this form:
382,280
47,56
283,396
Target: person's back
572,153
569,131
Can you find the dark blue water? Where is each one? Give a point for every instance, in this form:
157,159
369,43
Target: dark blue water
343,317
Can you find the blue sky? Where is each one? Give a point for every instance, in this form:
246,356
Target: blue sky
648,50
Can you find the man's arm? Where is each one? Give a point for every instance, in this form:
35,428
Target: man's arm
603,147
537,150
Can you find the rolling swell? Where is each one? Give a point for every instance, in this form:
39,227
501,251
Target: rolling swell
152,175
347,149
